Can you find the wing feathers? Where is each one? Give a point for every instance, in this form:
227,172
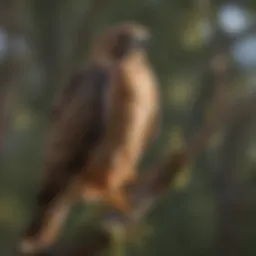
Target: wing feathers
77,126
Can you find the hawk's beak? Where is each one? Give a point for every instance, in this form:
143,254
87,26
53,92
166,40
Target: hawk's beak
143,42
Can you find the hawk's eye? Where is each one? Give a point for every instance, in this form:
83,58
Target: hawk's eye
124,39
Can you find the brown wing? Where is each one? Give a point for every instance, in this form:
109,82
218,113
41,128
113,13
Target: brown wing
77,124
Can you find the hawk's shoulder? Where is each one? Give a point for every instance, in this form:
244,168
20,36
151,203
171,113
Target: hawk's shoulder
91,81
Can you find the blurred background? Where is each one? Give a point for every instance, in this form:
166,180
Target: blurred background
201,48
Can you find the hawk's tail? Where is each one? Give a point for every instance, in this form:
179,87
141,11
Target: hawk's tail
45,225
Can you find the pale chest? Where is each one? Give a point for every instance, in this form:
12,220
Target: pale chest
142,84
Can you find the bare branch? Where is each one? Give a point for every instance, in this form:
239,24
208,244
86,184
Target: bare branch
158,181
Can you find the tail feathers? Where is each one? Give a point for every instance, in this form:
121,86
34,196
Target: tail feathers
44,229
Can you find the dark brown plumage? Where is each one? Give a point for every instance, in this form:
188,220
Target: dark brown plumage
99,128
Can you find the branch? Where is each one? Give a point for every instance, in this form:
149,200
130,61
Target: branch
229,190
157,182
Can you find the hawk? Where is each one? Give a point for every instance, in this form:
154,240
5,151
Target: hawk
100,126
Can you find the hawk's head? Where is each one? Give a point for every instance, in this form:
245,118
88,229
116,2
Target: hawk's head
120,41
